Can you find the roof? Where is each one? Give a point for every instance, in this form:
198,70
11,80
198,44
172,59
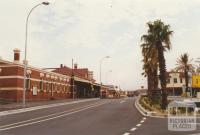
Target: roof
181,74
80,72
8,63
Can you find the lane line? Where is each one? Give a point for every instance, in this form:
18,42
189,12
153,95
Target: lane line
126,133
133,129
42,107
31,123
142,121
122,102
144,118
16,123
138,125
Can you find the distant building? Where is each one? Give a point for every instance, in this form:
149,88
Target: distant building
196,85
131,93
176,83
82,81
196,81
112,92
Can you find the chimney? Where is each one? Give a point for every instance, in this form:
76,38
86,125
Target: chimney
16,55
75,66
61,65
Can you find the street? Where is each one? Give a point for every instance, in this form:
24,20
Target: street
98,117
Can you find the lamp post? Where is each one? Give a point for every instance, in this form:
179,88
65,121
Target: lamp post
173,88
25,59
72,77
101,60
107,74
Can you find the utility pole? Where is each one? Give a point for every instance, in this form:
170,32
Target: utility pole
106,57
73,78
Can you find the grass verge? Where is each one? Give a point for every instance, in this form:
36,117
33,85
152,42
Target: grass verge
146,103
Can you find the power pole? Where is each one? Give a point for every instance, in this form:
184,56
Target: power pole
73,78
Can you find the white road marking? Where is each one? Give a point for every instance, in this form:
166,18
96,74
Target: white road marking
144,118
59,113
41,107
142,121
133,129
126,133
39,121
122,101
138,125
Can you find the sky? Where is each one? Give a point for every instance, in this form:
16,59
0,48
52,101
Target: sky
88,30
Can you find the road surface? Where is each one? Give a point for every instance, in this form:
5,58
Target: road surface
98,117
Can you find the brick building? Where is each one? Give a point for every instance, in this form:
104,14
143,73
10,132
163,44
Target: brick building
49,83
82,81
41,84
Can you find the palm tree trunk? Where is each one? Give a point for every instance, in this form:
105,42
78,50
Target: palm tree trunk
186,80
155,79
162,76
149,78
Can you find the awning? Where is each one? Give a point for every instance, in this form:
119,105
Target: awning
81,80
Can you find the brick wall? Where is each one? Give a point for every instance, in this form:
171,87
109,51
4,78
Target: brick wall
55,86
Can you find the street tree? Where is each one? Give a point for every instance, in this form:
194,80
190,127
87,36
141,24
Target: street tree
158,41
185,65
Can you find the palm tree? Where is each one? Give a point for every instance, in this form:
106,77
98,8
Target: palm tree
158,39
150,67
184,65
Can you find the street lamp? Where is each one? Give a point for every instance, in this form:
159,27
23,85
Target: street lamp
25,59
107,74
101,60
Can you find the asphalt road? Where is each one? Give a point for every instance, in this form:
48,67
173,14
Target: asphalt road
100,117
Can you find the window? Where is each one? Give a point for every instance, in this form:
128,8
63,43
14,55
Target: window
61,88
28,82
47,86
181,80
52,86
55,87
66,89
168,80
41,85
197,81
175,80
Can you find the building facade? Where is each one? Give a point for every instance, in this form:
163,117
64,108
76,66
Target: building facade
49,83
83,84
196,85
41,84
176,83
